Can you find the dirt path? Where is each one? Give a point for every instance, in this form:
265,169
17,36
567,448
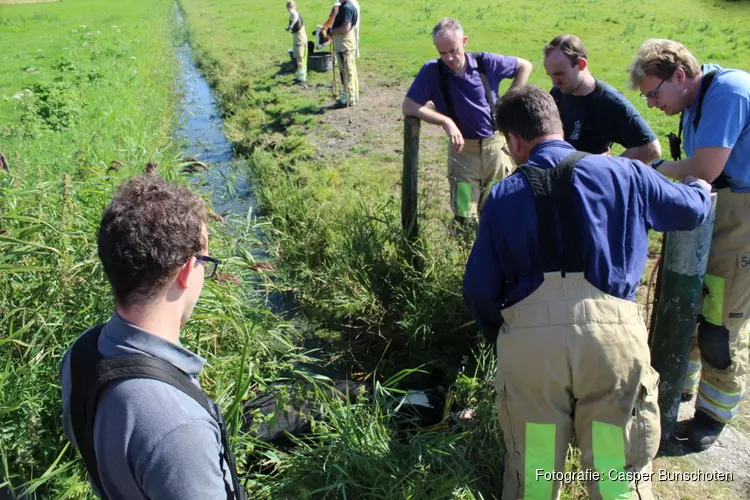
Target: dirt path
375,126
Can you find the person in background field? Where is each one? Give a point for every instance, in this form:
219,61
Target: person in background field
463,88
149,439
345,46
297,28
551,279
714,107
593,113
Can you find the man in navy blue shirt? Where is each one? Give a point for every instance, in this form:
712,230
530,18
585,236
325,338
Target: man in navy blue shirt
463,88
557,282
594,114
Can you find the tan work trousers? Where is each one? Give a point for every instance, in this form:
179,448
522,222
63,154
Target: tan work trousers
718,361
346,52
300,53
473,171
572,358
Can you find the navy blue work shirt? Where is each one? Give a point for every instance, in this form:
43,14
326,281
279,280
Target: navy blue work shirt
593,122
617,200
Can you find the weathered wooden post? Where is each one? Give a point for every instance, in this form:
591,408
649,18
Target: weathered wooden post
409,193
673,326
409,185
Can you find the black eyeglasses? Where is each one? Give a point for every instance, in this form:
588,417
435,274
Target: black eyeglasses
655,91
210,263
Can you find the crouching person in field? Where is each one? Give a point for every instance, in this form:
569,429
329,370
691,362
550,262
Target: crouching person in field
131,401
554,286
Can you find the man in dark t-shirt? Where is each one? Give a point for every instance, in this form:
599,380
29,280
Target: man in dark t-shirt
345,45
594,114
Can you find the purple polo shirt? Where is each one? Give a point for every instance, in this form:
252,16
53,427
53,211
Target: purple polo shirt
467,93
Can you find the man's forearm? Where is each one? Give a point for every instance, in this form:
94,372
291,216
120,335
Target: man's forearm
646,153
707,164
522,75
424,113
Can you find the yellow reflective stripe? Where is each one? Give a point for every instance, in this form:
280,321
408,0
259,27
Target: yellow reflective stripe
540,455
713,303
463,199
720,396
719,413
609,456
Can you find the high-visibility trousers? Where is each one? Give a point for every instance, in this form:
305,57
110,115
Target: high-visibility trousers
718,361
572,358
300,53
346,56
473,172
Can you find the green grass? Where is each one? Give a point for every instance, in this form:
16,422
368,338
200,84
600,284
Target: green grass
336,213
101,80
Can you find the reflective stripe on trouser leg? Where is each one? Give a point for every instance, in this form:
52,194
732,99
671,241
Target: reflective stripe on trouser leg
723,335
539,458
464,179
609,459
693,374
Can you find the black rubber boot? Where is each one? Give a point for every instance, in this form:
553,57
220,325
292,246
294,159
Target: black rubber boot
703,431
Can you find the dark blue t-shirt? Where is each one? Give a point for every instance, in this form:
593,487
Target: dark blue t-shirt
593,122
347,14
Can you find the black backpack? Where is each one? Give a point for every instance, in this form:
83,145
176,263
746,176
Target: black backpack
91,373
443,71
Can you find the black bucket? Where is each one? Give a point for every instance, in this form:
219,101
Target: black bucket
319,61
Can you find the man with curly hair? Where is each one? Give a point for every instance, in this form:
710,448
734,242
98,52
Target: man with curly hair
151,434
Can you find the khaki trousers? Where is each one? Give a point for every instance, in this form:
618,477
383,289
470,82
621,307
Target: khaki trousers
473,171
718,361
300,53
572,358
346,52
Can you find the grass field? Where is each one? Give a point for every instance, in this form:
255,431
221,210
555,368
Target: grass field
86,82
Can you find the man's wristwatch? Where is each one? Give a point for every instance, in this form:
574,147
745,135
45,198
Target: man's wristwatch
656,163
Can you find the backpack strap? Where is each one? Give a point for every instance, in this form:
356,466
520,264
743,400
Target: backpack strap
101,371
479,56
84,357
722,181
445,90
553,190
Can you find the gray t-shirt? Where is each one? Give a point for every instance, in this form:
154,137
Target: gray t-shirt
152,441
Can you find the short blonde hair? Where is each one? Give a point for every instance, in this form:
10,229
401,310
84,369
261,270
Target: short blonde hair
661,57
291,4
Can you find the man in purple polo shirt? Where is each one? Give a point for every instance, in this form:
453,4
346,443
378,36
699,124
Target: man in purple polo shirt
461,86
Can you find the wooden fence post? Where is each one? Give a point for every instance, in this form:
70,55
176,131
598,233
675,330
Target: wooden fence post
409,186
